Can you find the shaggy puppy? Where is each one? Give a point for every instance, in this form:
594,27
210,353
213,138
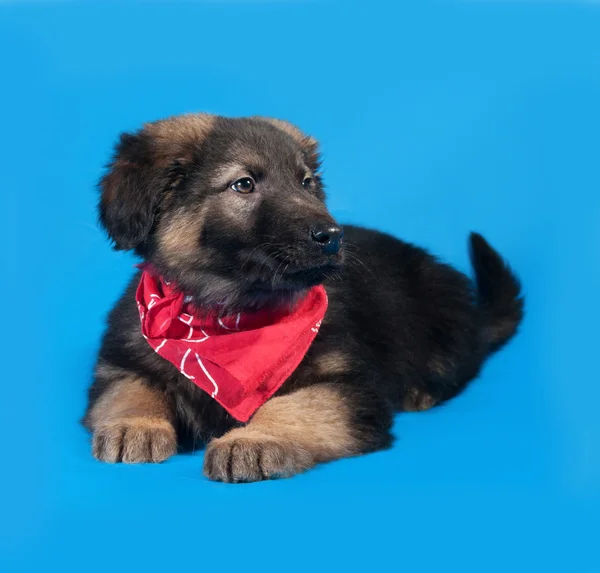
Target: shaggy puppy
231,212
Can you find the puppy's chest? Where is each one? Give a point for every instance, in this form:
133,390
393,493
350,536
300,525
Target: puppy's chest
202,417
200,414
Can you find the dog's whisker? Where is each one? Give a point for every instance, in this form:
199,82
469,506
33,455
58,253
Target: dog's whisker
253,251
274,279
356,259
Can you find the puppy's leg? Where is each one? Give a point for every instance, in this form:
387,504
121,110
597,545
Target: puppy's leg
292,433
131,422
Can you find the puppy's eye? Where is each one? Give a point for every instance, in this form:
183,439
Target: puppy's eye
243,185
308,182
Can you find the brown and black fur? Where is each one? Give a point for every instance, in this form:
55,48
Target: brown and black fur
403,332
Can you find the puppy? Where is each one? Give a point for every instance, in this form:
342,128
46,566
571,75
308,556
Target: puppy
230,213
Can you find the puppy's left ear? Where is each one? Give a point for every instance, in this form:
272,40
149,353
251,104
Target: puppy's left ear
131,190
310,146
312,153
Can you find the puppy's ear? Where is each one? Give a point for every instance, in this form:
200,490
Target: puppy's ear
131,190
312,153
310,146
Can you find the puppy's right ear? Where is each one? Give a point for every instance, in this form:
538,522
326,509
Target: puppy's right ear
131,190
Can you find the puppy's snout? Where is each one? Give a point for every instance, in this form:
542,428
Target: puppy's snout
329,237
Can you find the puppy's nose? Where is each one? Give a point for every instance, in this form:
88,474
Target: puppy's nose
329,237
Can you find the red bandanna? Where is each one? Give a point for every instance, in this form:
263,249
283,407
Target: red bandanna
241,360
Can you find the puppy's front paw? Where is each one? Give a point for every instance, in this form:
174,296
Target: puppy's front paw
135,440
246,458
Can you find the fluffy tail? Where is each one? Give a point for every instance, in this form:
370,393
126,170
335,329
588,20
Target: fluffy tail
498,293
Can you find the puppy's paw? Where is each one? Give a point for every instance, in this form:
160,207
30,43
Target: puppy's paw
134,440
251,457
417,401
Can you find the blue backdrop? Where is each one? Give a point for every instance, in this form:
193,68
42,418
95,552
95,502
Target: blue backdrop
435,119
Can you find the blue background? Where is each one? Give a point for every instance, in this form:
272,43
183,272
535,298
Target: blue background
435,119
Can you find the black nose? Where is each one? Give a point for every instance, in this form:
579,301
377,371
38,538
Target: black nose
330,238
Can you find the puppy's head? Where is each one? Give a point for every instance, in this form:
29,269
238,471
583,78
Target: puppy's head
232,210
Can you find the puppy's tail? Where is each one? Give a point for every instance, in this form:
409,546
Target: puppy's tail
498,293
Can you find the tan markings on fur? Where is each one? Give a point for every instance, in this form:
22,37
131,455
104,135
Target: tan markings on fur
254,457
131,422
129,398
292,130
228,173
177,137
332,363
417,401
188,127
248,157
134,440
180,234
315,417
287,435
